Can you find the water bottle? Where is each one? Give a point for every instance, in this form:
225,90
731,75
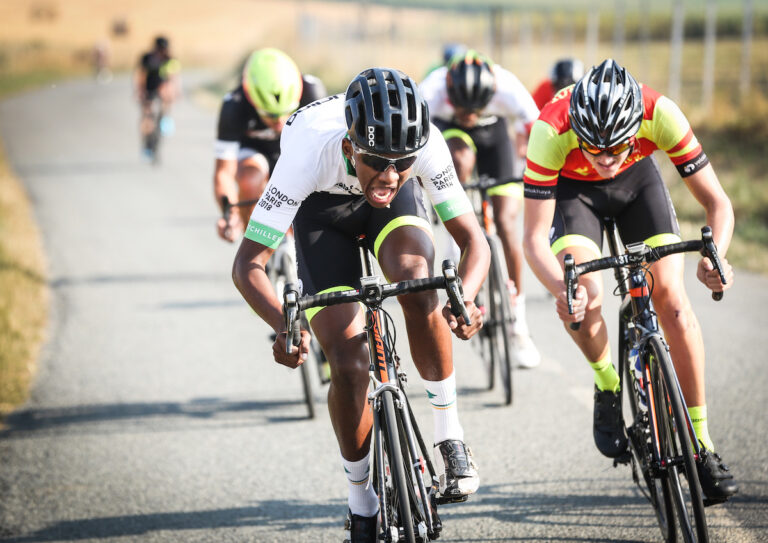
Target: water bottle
635,364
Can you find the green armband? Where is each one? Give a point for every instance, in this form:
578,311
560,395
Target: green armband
453,208
263,234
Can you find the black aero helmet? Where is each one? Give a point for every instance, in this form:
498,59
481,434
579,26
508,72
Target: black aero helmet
566,72
606,105
385,112
470,81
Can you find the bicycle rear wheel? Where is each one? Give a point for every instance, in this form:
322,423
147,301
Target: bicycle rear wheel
500,312
654,485
675,443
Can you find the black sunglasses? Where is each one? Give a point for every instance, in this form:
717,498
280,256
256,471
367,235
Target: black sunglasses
380,163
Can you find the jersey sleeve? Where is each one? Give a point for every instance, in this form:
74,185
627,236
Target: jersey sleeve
547,151
434,92
434,168
672,133
514,100
231,127
295,176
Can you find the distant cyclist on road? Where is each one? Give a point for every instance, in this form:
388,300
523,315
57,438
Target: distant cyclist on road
589,157
251,120
565,72
470,101
157,77
357,163
450,50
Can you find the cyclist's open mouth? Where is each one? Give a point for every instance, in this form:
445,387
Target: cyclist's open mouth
381,195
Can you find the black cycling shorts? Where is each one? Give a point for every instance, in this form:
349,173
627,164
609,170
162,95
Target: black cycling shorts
326,226
494,148
636,198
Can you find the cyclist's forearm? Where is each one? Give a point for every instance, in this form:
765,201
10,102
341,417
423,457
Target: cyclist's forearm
251,279
473,268
224,182
721,220
544,264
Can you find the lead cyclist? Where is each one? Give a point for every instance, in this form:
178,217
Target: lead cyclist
357,163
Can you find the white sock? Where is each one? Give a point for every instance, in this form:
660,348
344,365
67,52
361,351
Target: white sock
521,321
442,396
362,496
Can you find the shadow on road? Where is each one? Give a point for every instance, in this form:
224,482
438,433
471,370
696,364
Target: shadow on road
44,419
278,515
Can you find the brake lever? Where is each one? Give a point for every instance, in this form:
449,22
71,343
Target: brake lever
570,286
291,313
455,291
710,250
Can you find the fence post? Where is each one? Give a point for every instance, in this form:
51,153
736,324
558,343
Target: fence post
645,39
708,75
676,50
593,36
497,39
618,31
746,51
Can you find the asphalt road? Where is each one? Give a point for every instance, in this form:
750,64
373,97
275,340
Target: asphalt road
157,414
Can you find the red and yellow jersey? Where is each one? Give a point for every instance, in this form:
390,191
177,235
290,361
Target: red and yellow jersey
543,93
553,148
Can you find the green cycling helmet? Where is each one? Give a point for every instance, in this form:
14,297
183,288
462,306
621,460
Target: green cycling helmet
272,82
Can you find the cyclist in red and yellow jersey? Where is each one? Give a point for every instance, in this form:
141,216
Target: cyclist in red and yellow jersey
565,72
589,157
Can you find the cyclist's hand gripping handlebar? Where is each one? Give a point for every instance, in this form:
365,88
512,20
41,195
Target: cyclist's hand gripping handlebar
710,251
570,286
291,314
455,292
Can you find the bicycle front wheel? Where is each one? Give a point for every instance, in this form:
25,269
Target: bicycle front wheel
674,442
398,502
654,485
500,318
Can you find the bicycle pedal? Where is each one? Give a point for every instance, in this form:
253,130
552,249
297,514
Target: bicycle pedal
442,500
624,459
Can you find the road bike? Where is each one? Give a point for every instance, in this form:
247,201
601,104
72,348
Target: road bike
403,473
663,446
151,142
493,341
281,270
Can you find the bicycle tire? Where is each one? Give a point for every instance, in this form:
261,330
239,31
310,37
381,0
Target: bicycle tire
415,462
306,386
675,443
641,447
401,507
500,315
483,341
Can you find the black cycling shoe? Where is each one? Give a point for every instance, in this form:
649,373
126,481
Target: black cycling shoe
361,529
715,477
608,426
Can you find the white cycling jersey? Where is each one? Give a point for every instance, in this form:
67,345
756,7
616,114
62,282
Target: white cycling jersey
511,100
311,160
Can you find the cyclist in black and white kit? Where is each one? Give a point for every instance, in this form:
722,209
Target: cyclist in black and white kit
334,181
251,120
471,99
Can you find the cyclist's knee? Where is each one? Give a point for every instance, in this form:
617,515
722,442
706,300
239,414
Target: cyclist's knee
418,304
406,253
349,364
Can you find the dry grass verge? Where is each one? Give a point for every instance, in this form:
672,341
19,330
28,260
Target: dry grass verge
23,291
